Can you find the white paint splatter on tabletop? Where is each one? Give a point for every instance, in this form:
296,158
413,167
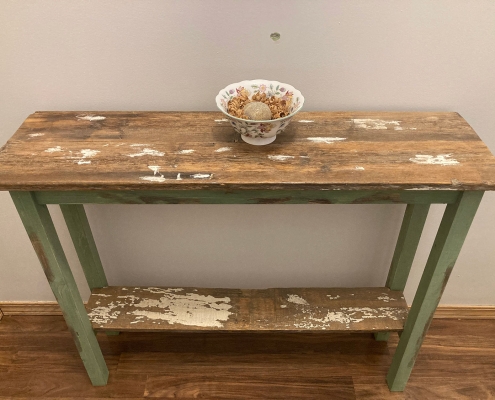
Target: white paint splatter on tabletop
223,149
327,140
155,169
153,178
148,152
374,123
359,168
53,149
305,121
91,117
440,159
178,177
222,120
201,176
85,154
31,135
185,152
333,297
280,158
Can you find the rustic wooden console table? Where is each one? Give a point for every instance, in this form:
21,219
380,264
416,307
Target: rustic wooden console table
72,159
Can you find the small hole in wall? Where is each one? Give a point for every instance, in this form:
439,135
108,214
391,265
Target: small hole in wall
275,36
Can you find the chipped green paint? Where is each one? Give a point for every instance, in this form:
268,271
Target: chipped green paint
450,237
249,197
80,232
40,229
82,238
405,250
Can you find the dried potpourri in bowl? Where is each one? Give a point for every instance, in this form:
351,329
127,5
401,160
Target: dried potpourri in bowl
244,102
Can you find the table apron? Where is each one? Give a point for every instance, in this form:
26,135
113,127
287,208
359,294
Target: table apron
321,196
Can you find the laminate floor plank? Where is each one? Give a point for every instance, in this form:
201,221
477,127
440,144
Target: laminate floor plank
38,384
231,383
38,359
373,388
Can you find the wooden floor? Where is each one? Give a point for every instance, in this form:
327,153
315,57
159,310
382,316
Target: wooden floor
38,359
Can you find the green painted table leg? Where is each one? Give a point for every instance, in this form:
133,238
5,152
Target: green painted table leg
405,250
39,226
85,246
84,243
450,237
407,244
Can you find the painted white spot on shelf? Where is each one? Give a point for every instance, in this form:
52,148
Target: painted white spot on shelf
294,298
348,316
385,298
91,117
201,176
440,159
53,149
104,315
31,135
283,306
223,149
148,152
189,309
374,123
359,168
327,140
178,177
280,158
306,121
185,152
398,128
333,297
222,120
138,145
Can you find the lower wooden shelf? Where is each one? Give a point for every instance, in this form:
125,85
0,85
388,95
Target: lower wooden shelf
116,308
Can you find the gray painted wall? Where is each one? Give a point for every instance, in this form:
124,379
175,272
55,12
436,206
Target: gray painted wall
164,55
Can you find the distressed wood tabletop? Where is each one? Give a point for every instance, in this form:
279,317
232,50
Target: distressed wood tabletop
200,150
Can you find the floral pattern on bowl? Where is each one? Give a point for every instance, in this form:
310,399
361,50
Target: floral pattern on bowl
252,130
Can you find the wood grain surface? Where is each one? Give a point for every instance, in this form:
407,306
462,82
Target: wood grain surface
289,309
38,359
177,150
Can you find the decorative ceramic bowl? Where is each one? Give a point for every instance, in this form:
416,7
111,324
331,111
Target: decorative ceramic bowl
260,132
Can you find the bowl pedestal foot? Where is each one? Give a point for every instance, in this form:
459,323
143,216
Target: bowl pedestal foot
258,141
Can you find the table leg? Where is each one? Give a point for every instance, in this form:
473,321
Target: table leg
84,243
405,250
41,231
448,242
80,232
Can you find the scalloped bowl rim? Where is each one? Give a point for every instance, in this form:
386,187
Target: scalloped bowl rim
220,93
